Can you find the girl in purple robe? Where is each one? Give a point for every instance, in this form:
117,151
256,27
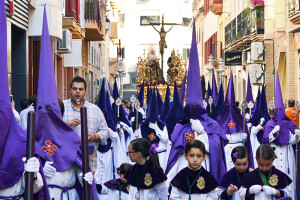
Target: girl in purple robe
146,178
266,182
118,188
230,182
194,182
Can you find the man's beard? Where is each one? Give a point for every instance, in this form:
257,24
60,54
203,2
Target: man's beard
77,101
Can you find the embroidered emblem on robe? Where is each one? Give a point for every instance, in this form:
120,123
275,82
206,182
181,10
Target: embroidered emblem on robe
148,180
189,136
231,124
49,148
152,136
201,183
273,180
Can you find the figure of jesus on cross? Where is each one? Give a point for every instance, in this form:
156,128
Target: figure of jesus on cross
162,34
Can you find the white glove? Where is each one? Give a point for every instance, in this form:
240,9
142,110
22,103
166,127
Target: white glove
154,126
141,110
276,129
297,132
247,116
132,119
125,126
254,189
244,136
196,125
249,125
49,170
269,190
32,165
256,129
88,177
136,134
262,120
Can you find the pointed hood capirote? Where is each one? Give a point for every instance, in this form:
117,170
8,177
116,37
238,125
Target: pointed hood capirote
115,94
13,137
160,102
182,89
55,140
230,118
152,117
176,112
261,112
194,110
102,100
279,118
249,96
167,105
193,90
220,104
214,89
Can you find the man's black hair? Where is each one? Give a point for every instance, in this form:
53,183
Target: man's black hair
78,79
291,103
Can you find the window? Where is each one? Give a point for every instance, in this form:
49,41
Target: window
144,20
186,21
92,55
186,53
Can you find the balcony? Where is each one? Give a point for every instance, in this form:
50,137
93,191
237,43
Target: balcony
257,24
294,11
71,20
216,6
94,20
237,32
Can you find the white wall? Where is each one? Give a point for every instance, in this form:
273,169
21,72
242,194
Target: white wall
136,37
54,18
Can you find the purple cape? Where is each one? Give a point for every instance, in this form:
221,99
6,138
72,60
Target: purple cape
253,178
115,184
160,102
232,177
180,181
217,142
144,173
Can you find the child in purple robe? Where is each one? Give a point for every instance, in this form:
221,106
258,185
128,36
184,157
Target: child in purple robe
118,188
266,182
146,178
230,182
194,182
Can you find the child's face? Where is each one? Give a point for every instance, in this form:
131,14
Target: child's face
132,154
264,165
123,180
241,165
195,157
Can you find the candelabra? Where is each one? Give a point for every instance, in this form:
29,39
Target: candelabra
210,67
120,74
221,70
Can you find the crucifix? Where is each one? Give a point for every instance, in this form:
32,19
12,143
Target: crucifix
162,42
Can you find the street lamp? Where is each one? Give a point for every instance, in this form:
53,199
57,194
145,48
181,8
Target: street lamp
210,67
221,70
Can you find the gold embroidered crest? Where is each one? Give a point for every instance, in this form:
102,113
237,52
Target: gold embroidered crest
201,183
273,180
148,180
128,187
250,169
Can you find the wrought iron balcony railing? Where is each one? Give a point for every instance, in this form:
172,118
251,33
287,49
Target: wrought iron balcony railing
294,7
257,20
237,28
73,9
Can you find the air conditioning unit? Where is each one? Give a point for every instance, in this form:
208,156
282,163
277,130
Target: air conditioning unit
65,45
257,51
256,74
